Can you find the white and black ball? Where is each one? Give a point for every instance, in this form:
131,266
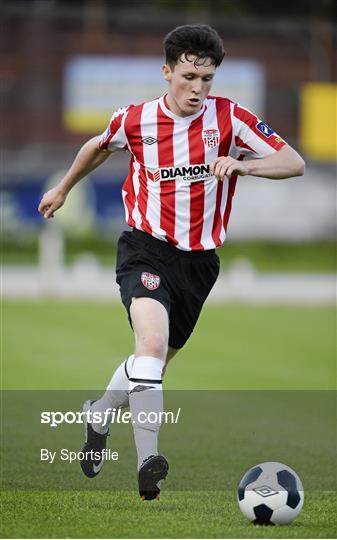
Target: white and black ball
270,494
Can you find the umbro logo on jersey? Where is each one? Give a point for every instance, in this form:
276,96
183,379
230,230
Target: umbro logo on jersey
149,140
191,173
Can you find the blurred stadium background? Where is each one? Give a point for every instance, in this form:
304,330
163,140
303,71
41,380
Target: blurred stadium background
67,64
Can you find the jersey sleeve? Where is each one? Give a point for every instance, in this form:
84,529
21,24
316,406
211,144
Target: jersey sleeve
114,137
252,137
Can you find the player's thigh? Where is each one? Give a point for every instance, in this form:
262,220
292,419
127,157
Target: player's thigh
150,323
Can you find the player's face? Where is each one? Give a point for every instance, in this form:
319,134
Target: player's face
189,84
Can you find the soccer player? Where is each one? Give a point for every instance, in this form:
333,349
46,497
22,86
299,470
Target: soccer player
187,149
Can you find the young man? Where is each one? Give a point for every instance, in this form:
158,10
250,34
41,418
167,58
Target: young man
187,149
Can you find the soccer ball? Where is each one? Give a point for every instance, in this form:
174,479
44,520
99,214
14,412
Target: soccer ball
270,493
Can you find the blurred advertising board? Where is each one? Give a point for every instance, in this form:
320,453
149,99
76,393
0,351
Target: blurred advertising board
319,120
95,86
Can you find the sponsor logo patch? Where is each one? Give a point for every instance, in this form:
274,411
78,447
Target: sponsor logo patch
150,281
264,129
189,173
211,137
265,491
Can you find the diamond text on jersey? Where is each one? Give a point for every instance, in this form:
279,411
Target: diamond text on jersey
190,173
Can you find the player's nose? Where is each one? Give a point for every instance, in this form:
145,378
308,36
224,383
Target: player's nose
196,88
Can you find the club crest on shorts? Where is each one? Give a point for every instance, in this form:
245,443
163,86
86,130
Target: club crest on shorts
211,137
150,281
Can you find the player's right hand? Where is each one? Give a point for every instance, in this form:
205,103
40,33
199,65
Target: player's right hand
50,202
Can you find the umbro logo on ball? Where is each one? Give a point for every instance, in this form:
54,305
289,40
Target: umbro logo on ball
265,491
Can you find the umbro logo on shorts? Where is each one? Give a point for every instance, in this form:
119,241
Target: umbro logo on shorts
150,281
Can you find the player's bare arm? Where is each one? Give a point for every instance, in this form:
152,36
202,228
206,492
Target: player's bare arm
88,159
286,163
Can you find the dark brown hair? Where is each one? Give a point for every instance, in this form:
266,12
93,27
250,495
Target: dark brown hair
198,40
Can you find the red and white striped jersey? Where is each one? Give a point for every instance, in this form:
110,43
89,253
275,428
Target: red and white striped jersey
169,191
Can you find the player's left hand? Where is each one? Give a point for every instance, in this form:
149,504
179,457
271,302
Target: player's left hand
226,166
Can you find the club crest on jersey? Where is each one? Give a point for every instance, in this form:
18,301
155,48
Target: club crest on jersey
211,137
150,281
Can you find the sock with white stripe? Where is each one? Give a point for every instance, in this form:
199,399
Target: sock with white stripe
146,396
115,397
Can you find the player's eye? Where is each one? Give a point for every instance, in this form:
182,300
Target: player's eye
188,77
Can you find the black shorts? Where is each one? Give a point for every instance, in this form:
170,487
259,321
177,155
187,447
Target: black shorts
179,280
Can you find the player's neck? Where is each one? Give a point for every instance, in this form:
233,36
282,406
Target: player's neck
172,106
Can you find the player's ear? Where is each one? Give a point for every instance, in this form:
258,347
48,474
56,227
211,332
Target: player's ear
167,72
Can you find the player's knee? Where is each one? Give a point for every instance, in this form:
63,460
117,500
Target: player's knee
153,344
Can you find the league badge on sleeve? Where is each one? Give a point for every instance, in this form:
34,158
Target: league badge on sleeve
150,281
104,137
264,129
211,137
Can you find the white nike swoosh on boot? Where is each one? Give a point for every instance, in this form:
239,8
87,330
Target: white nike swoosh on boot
98,467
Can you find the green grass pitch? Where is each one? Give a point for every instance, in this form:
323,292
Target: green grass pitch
76,345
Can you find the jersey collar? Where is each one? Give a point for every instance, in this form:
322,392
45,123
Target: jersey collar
182,119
